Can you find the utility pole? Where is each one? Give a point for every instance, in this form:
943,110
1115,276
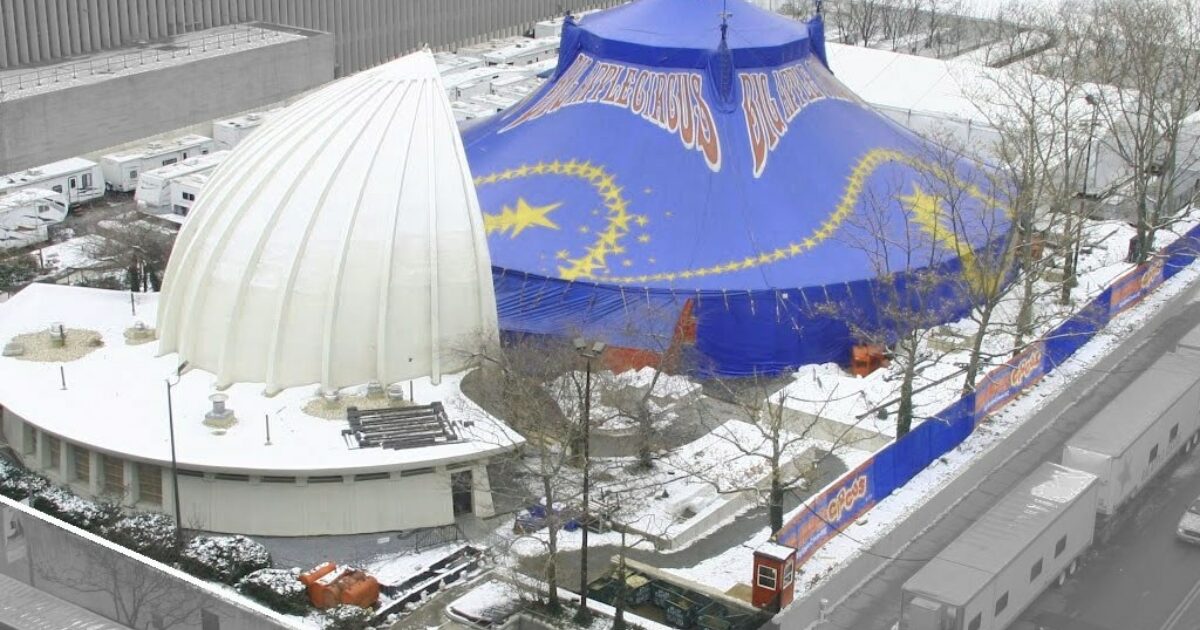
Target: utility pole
588,352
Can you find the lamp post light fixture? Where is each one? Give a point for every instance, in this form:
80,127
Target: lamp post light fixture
588,352
174,464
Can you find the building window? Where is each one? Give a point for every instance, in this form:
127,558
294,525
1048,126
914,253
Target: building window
372,476
1036,570
976,622
1154,453
1061,546
30,440
413,472
325,479
83,464
1001,604
55,447
1174,433
149,484
114,476
278,479
767,577
788,570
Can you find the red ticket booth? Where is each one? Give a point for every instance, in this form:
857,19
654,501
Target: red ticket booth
774,576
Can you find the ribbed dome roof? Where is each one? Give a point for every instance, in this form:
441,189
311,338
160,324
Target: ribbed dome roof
341,243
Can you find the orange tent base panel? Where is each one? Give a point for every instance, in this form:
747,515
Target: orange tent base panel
328,586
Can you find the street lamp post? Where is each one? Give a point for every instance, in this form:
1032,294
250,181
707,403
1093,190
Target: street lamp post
174,464
588,352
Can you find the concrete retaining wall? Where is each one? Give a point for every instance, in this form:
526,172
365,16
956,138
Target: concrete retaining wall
53,125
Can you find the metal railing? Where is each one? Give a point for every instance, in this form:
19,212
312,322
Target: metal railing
170,49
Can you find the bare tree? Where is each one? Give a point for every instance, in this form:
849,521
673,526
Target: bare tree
138,247
1148,52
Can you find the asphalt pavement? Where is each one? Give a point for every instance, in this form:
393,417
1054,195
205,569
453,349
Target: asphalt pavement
876,605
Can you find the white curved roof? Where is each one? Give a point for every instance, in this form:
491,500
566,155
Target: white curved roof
341,243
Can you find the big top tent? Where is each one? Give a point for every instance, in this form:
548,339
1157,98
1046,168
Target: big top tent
694,173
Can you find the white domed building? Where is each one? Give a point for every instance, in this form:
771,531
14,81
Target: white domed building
336,261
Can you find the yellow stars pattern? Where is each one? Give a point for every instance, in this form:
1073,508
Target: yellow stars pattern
855,184
514,221
607,241
927,214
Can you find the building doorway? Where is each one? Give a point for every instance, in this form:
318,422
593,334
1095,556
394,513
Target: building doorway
462,488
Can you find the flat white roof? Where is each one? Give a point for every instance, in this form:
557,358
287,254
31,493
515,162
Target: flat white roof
188,166
160,147
46,171
518,49
115,400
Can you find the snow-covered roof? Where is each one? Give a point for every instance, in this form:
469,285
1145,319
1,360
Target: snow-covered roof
775,551
158,147
911,82
115,400
341,243
44,172
186,167
28,197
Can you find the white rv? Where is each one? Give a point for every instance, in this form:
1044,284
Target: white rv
26,216
450,63
185,190
524,52
154,186
229,132
121,169
79,180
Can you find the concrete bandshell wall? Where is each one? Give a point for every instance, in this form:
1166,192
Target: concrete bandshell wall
52,125
247,504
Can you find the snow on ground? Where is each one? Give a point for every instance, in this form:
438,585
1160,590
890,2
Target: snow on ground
393,568
831,393
734,566
615,397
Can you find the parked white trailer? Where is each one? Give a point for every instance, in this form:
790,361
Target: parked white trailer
524,52
154,186
1131,439
1002,562
79,180
26,216
229,132
450,63
185,190
121,169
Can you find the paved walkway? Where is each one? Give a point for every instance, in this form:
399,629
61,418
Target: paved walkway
877,604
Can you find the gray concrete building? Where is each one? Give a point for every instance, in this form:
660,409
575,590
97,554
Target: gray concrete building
367,32
72,108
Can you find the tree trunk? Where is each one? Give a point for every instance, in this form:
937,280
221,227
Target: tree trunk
904,416
775,500
645,427
985,319
551,548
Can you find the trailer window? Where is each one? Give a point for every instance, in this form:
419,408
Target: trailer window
87,180
1061,546
132,174
1036,570
171,161
1154,453
976,622
72,183
1001,603
1174,433
57,188
767,577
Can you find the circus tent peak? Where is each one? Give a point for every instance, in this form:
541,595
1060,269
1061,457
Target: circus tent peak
339,244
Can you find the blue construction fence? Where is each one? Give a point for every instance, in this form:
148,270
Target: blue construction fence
844,501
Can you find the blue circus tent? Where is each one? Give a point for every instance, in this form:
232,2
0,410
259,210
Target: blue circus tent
693,173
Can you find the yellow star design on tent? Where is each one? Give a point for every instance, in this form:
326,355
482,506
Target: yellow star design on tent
515,221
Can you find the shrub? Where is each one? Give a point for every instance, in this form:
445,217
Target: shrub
17,483
150,534
277,589
224,558
347,617
62,504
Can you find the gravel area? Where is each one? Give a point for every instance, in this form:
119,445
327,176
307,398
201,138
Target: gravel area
319,408
38,346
